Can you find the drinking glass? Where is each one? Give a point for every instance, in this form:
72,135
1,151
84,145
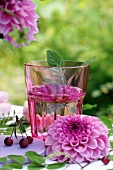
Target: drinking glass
53,92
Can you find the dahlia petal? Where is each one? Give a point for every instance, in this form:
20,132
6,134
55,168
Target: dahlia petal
5,18
66,146
49,140
92,143
87,153
80,148
95,133
51,131
96,153
100,143
49,150
74,142
106,141
79,158
56,146
71,152
22,13
104,152
29,6
5,29
58,125
16,21
61,139
84,140
62,158
59,130
56,136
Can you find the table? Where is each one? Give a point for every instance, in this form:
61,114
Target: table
93,166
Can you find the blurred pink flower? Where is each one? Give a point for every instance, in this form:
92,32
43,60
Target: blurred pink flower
4,96
82,138
26,111
44,121
19,14
5,107
55,93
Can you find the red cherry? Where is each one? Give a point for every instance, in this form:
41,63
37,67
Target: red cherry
8,141
23,142
105,160
30,139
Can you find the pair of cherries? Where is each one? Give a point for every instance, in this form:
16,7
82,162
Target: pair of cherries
24,142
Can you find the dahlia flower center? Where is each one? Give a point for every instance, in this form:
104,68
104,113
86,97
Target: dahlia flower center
74,126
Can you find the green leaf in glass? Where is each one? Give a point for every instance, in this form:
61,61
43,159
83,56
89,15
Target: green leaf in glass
41,77
54,59
88,62
77,69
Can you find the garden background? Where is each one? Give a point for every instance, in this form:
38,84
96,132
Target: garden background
78,30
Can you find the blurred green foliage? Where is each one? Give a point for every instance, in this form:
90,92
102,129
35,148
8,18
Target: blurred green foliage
78,30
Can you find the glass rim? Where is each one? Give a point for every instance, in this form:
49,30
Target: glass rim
35,64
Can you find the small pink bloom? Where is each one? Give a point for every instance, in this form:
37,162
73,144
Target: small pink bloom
26,111
38,120
4,96
80,137
5,108
48,121
43,122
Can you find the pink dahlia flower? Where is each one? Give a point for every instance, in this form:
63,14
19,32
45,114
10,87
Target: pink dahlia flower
82,138
19,14
55,93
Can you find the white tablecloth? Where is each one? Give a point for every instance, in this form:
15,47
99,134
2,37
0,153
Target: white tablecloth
97,165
